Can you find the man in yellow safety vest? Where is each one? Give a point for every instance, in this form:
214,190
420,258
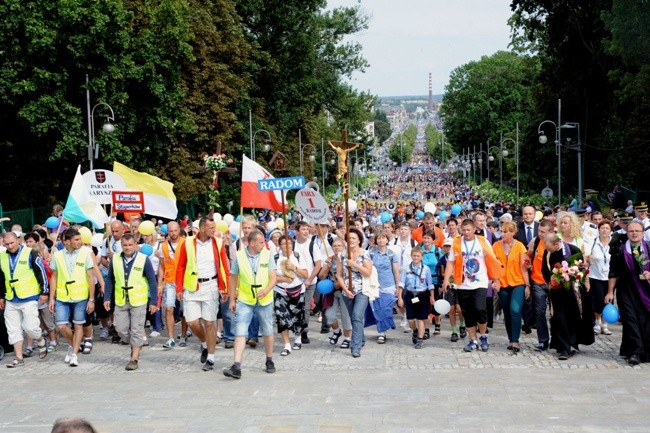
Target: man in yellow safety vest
72,290
251,293
132,277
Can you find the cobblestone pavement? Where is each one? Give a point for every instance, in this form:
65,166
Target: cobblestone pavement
321,388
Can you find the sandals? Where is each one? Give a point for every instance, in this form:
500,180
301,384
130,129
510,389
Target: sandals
334,338
87,347
381,339
16,363
27,353
345,344
297,346
42,351
285,352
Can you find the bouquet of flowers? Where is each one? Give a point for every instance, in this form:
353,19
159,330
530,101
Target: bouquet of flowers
570,273
216,162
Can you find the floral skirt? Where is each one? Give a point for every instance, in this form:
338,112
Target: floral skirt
290,312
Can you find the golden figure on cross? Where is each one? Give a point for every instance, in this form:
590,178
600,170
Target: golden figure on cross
342,148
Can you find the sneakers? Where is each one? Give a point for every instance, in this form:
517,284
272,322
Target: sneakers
103,334
233,371
74,362
540,347
169,344
204,355
304,338
605,330
418,344
463,332
270,366
597,329
208,366
132,365
472,345
252,343
154,334
485,345
182,342
229,344
87,347
68,355
381,339
405,324
564,356
454,337
356,354
414,337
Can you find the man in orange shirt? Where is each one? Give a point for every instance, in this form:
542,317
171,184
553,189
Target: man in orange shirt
429,223
539,289
167,280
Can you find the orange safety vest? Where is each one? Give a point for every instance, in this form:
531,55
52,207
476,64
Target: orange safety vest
169,262
512,262
536,272
495,269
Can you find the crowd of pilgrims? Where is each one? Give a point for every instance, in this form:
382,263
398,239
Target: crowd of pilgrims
489,260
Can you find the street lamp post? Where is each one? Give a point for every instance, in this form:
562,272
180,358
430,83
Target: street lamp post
93,147
501,154
302,148
265,147
578,148
558,143
505,153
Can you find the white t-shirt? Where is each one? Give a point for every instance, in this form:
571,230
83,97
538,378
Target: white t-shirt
474,271
600,260
403,252
303,250
300,263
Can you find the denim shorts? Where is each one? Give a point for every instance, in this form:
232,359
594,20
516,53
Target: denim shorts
169,295
64,311
244,316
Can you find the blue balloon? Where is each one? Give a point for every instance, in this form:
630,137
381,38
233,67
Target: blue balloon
610,314
385,217
325,287
52,223
419,215
146,249
443,215
456,210
233,237
163,229
238,219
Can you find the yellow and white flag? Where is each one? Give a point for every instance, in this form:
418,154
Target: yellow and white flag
159,198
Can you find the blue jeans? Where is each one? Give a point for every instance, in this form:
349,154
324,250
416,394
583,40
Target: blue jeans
357,310
227,317
254,329
540,301
244,316
512,301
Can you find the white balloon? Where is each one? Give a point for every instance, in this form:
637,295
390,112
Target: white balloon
228,218
442,306
234,228
216,216
430,207
271,226
97,240
352,205
195,224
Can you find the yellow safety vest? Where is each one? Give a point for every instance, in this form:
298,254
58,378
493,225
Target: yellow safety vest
23,282
137,288
191,277
72,288
249,283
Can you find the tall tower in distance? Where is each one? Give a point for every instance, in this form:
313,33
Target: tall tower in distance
430,94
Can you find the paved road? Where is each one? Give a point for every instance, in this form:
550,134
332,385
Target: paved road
391,388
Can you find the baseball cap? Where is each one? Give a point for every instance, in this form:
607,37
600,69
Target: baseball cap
448,242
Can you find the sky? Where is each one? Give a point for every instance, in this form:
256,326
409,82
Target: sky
408,39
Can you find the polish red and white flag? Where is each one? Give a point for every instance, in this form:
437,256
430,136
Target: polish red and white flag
251,196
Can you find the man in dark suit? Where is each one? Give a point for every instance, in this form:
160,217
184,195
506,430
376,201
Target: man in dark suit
527,229
526,232
481,228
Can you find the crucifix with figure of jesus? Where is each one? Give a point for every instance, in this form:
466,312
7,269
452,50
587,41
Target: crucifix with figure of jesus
215,176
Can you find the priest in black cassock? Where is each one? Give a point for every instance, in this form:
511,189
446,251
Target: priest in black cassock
629,273
571,322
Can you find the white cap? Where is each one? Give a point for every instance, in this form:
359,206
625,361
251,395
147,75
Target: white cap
448,242
506,217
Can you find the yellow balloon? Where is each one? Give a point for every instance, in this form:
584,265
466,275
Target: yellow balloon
86,235
279,223
538,215
221,225
146,228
